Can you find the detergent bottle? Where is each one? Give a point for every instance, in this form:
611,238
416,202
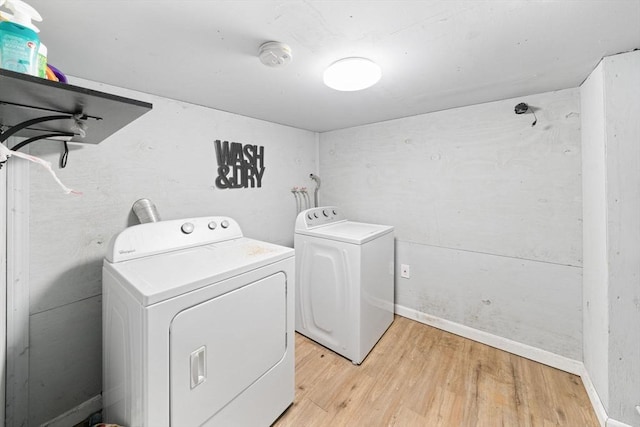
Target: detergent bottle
19,42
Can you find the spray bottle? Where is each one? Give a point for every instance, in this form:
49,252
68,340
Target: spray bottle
19,42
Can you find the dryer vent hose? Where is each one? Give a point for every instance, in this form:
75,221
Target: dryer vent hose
146,211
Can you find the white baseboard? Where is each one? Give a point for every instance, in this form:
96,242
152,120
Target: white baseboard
536,354
77,414
529,352
598,407
613,423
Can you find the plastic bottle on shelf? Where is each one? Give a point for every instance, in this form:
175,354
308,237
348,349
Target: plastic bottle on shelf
42,61
19,42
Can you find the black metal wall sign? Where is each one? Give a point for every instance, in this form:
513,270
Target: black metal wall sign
239,166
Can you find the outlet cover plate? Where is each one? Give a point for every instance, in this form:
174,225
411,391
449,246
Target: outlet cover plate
405,271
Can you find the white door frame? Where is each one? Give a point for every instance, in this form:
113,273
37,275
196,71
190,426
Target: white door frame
15,233
3,290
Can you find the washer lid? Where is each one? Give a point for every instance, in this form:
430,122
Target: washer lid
158,277
349,231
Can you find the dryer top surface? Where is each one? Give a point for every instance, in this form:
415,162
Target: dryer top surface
158,277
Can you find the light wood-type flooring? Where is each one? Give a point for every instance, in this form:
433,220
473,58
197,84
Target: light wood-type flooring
421,376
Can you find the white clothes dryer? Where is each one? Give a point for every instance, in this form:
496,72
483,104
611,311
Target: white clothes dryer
197,326
344,281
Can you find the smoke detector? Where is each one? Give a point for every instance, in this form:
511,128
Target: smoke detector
275,54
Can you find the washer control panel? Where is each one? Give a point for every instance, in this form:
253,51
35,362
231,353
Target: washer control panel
164,236
187,228
315,217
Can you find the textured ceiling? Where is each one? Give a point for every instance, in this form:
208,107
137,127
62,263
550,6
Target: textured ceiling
434,55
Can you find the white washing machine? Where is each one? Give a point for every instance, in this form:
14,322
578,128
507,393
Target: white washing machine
344,281
197,326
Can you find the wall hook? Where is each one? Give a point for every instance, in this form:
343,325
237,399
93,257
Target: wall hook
522,108
61,136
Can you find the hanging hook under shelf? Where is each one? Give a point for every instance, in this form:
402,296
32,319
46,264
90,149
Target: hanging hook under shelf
39,137
56,135
64,156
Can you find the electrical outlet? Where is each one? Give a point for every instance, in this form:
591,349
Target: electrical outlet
405,271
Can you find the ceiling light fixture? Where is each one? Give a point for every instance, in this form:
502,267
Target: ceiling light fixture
350,74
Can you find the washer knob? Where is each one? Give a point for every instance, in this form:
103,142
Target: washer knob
325,214
224,223
334,212
187,228
309,216
212,225
315,214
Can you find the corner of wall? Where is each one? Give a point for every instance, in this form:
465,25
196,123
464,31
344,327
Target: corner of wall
594,215
76,415
317,141
598,408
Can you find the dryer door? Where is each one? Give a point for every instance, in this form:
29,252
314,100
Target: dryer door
220,347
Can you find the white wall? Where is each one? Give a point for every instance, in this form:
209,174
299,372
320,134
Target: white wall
487,211
612,233
167,156
622,105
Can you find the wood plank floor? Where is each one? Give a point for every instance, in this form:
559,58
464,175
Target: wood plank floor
421,376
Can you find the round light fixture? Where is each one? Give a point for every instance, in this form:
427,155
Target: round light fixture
350,74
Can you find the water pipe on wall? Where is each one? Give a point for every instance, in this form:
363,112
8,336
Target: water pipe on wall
316,178
305,197
294,190
303,202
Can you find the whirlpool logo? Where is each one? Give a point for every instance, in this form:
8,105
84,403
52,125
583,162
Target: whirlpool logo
239,166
